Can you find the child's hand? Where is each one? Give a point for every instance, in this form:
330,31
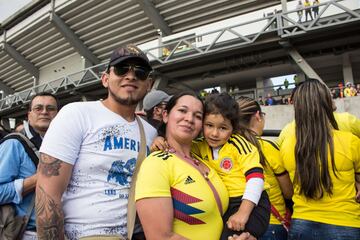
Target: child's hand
242,236
159,143
237,221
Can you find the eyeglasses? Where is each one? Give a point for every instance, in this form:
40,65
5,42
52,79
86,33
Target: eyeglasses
40,108
142,73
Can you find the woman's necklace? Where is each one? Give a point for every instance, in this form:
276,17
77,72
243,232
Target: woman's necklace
194,162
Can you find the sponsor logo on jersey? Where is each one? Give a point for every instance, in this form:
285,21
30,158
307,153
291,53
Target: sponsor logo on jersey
189,180
226,164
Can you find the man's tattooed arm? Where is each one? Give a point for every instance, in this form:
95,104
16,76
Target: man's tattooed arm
53,178
49,166
50,217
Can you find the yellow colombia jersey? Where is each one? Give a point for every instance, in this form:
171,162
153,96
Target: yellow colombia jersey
340,208
238,161
196,213
346,122
273,168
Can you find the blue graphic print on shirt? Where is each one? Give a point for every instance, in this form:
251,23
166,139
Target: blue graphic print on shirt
121,172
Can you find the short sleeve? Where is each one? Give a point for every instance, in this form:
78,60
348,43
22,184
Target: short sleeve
247,154
153,178
64,136
354,123
272,153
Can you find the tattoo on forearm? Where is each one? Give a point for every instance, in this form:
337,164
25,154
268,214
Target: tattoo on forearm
49,217
49,166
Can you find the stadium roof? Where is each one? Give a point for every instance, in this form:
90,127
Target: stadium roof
46,31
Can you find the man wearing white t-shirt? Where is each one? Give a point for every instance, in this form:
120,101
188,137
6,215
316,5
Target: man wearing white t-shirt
89,153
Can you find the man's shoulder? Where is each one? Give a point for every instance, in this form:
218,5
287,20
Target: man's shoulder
82,106
12,144
80,110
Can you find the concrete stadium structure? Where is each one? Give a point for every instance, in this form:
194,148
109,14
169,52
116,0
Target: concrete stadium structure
62,46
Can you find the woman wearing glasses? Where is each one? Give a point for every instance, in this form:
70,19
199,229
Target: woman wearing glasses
324,166
277,181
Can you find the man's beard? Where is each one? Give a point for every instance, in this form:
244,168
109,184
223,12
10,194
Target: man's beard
130,101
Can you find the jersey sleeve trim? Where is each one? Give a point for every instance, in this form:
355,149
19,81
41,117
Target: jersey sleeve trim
254,173
271,143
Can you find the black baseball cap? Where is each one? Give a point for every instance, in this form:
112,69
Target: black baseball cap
129,52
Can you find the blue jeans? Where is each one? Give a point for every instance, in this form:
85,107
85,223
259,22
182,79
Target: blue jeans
309,230
275,232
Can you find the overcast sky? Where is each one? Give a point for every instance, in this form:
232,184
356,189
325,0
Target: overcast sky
9,7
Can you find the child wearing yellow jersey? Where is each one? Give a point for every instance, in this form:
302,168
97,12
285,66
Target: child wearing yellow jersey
238,164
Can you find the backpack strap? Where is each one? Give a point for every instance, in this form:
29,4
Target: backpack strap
29,147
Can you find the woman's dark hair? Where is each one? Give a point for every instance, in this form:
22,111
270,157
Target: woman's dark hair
314,121
224,104
249,107
171,103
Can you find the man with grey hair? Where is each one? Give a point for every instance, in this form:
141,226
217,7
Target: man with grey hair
18,161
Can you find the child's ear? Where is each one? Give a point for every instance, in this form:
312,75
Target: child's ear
258,116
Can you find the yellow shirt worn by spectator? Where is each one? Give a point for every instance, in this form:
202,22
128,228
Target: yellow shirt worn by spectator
196,212
340,208
348,92
272,169
346,122
237,161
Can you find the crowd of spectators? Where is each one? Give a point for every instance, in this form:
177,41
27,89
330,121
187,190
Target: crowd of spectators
350,90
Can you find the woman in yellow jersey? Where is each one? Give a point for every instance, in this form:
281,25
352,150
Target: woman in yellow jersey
252,122
324,166
179,196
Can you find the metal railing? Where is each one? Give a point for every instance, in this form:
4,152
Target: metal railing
283,25
76,80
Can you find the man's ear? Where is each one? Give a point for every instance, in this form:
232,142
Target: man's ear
150,85
105,79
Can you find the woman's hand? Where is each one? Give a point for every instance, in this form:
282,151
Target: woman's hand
159,143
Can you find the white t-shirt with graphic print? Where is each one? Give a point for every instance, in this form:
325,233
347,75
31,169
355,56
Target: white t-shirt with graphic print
103,148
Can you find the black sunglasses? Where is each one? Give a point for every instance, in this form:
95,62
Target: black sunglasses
141,73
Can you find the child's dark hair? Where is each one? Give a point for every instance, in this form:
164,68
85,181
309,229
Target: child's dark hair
172,102
224,104
249,107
